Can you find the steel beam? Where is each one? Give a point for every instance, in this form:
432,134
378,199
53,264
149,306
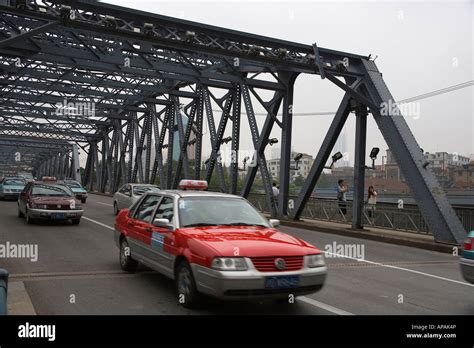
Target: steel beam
359,166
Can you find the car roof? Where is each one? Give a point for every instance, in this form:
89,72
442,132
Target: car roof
195,193
50,182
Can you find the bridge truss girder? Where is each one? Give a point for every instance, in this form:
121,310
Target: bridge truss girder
152,79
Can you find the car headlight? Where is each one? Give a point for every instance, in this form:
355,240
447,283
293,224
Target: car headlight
229,264
316,260
7,190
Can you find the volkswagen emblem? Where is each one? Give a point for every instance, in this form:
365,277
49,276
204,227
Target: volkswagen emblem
280,264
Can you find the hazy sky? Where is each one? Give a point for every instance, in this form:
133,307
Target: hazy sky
421,46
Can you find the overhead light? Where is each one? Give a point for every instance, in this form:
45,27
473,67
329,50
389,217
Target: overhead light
148,28
373,154
298,157
189,36
226,140
273,141
282,52
336,157
253,51
65,12
110,21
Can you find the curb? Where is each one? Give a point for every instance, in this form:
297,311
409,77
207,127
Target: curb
366,234
19,301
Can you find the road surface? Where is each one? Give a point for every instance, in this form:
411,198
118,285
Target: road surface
77,272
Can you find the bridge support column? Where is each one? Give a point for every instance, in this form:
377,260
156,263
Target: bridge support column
76,170
359,167
285,154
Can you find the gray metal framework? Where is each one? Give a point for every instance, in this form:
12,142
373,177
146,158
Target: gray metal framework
123,84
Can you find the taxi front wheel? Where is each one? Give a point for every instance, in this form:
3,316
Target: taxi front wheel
126,262
188,296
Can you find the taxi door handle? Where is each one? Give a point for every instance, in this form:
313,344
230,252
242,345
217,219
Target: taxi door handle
131,223
149,229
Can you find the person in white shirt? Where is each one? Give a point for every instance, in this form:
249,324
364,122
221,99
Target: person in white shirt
275,190
371,201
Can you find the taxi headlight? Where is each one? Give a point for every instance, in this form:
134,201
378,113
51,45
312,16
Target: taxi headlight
229,264
316,260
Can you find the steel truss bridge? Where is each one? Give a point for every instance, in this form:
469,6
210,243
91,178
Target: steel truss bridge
121,85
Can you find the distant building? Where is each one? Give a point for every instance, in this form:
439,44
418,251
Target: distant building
463,177
444,160
304,166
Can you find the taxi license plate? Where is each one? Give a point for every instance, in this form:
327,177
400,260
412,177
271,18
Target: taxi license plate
58,216
282,282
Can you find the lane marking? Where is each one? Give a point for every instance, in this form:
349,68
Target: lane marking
110,205
98,223
324,306
402,269
330,308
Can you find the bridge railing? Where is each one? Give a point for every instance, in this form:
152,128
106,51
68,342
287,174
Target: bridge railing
3,291
388,216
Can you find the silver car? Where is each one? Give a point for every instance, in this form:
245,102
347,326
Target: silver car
128,194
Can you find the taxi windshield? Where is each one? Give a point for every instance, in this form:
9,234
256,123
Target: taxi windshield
51,190
218,211
15,181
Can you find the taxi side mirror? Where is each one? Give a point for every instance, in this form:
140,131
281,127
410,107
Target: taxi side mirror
163,223
274,222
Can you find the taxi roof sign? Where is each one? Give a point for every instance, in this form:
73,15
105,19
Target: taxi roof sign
187,184
48,178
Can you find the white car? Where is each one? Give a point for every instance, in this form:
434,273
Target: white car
128,194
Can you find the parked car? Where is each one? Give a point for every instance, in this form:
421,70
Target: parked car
467,258
49,199
10,187
78,189
216,244
128,194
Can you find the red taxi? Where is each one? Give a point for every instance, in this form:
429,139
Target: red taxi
215,244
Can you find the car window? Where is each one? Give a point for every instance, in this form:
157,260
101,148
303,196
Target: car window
15,181
51,190
27,187
123,189
73,184
202,211
140,190
165,209
146,208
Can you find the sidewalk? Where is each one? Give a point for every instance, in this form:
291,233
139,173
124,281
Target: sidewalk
417,240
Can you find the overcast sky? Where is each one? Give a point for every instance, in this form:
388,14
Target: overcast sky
421,46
